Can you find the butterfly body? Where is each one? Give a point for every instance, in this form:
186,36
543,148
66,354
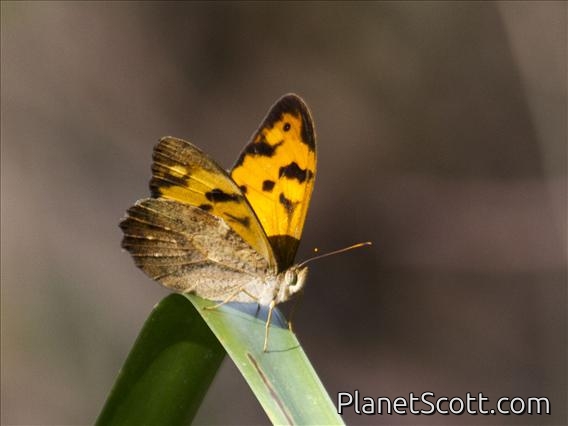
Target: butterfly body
229,237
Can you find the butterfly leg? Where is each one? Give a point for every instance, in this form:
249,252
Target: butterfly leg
231,297
227,300
267,327
254,299
250,295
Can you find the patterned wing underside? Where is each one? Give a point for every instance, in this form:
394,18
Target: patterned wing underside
189,250
184,173
276,173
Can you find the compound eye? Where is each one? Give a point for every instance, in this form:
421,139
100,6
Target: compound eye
291,277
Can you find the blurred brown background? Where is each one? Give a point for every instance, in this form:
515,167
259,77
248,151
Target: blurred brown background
442,138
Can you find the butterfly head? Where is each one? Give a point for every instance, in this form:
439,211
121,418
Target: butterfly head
291,282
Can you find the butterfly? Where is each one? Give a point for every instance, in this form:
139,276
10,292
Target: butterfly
229,236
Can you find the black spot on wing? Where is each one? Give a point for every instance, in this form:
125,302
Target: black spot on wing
293,104
219,196
245,221
243,189
268,185
163,178
206,207
288,204
293,171
168,179
155,191
261,148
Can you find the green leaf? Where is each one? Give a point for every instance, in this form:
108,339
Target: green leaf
176,356
282,379
168,370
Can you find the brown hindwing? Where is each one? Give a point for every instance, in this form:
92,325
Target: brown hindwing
188,249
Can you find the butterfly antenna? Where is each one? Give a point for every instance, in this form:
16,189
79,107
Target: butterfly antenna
354,246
